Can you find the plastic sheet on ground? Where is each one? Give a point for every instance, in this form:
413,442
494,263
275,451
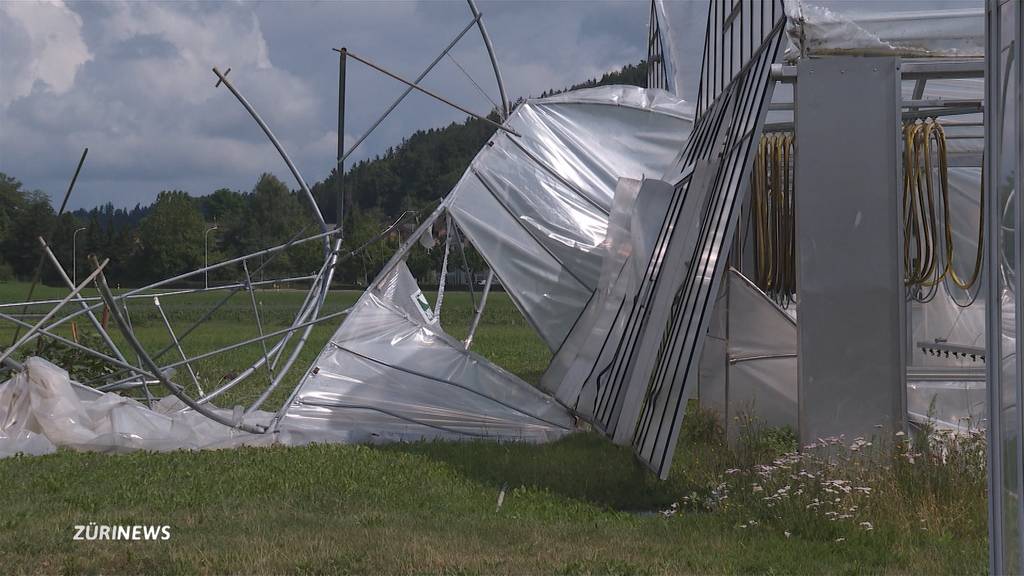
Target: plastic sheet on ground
42,409
389,374
536,206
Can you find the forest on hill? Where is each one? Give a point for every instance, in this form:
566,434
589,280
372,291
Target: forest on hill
170,236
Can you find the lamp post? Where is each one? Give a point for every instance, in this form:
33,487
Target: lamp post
206,254
74,255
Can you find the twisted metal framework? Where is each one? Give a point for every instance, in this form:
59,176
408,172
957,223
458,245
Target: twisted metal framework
639,391
279,349
657,73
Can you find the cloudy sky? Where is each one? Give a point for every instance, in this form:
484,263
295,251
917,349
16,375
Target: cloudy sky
133,82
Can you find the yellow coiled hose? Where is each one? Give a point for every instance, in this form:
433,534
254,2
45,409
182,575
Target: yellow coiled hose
774,221
928,258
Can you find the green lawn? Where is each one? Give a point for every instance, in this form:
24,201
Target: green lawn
580,505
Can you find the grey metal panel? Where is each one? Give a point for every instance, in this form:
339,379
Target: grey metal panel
849,282
1004,159
762,359
713,372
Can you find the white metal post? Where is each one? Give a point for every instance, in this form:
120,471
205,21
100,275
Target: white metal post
206,254
74,256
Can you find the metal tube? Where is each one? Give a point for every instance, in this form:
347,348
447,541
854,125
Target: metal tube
128,319
222,79
480,310
993,306
71,343
407,90
274,350
259,322
63,204
206,255
174,389
506,110
429,93
305,334
340,168
177,344
164,282
395,259
444,269
52,312
268,335
237,286
92,317
1018,127
74,255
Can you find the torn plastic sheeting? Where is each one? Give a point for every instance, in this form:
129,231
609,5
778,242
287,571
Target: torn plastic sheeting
628,250
536,206
568,226
683,26
616,249
41,409
387,375
864,27
544,291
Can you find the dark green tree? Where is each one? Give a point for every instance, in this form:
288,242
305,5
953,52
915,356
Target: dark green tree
172,235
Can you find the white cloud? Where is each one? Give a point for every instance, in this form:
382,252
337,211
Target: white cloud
46,39
132,81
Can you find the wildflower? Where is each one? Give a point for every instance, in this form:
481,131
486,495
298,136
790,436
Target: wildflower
867,526
787,533
840,539
756,488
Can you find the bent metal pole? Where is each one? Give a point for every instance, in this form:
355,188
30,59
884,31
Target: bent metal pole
433,95
53,311
149,364
222,78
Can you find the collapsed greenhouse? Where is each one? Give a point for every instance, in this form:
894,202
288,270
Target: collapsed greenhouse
809,223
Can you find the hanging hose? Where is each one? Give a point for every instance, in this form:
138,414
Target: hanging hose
929,253
773,218
930,260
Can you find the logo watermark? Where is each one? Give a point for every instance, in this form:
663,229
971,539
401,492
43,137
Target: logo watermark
93,531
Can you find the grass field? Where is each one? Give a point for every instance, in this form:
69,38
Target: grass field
576,506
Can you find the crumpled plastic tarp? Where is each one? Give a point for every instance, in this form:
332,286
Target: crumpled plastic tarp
391,373
923,28
536,206
42,409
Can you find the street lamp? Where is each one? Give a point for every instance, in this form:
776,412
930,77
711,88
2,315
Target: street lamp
206,253
74,256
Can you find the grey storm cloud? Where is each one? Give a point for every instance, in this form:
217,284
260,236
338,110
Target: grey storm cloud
133,82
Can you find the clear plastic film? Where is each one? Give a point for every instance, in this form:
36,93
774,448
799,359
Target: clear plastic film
42,409
922,28
389,375
536,205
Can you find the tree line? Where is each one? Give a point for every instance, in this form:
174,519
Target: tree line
180,232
